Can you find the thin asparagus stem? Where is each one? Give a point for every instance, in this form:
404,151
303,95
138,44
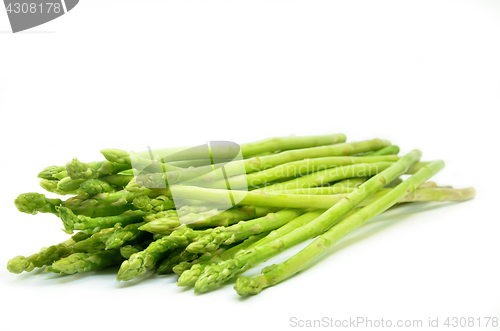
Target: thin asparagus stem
216,275
277,273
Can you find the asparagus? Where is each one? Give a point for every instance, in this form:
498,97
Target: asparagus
161,223
216,217
133,160
189,277
83,262
139,263
288,143
329,175
53,173
80,222
389,150
223,253
46,256
343,186
164,224
51,186
109,238
119,180
93,208
277,273
158,204
69,185
179,255
128,250
92,170
123,234
239,232
294,169
216,275
95,243
261,163
33,203
92,187
417,166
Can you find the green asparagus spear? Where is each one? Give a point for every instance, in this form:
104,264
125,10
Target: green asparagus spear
83,262
389,150
69,185
277,273
139,263
127,251
123,234
53,173
189,277
92,170
216,275
239,232
265,162
329,175
164,224
179,255
94,243
92,187
119,180
223,253
158,204
32,203
51,186
80,222
294,169
46,256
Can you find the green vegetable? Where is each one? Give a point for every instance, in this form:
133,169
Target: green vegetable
216,275
277,273
46,256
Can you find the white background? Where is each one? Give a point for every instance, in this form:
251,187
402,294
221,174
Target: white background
128,74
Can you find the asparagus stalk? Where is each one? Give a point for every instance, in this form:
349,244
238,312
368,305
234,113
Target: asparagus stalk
164,224
179,255
288,143
51,186
277,273
329,175
139,263
123,234
265,162
33,203
69,184
223,253
92,170
239,232
46,256
417,166
92,187
158,204
53,173
389,150
80,222
216,275
95,243
295,169
127,251
189,277
343,186
83,262
119,180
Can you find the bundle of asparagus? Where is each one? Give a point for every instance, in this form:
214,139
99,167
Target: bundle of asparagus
182,215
